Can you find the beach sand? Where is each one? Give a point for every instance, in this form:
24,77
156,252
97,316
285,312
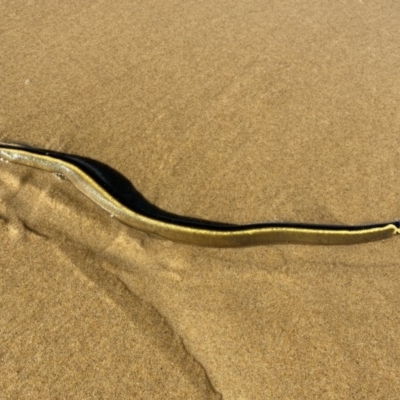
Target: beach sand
232,111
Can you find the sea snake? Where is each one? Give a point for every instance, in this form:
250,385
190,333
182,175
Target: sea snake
88,177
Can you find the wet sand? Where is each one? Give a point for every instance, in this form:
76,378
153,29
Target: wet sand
236,112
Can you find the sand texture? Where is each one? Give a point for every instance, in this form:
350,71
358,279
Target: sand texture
233,111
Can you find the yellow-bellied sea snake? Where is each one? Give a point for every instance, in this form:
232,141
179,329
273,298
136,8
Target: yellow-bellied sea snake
88,178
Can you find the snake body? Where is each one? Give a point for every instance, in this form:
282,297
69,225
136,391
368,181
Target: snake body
88,179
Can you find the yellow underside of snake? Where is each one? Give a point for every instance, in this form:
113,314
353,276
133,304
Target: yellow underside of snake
203,234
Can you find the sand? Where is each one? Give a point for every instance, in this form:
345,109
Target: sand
233,111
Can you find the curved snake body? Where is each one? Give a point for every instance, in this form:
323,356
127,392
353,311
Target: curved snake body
88,179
